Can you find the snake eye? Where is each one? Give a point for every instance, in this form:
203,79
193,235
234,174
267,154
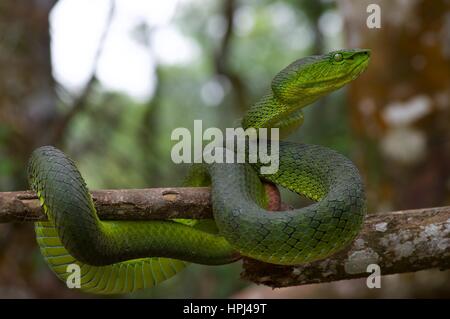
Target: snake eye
338,57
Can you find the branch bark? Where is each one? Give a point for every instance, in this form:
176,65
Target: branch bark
402,241
398,242
119,204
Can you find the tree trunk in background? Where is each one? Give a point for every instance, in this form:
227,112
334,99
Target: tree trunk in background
27,96
400,107
27,111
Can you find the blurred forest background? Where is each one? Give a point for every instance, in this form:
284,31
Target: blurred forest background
107,81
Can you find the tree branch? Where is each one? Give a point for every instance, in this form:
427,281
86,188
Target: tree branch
79,102
403,241
398,242
119,204
222,53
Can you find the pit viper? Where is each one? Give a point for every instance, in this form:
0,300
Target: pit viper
124,256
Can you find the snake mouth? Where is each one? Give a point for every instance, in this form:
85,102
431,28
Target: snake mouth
361,66
342,79
356,70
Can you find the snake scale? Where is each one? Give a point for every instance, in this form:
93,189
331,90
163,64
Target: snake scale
124,256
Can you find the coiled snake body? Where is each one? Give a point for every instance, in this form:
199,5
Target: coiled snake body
123,256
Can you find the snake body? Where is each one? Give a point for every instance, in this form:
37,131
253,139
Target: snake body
123,256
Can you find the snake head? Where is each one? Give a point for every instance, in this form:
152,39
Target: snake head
307,79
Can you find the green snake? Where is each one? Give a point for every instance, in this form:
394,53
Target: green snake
124,256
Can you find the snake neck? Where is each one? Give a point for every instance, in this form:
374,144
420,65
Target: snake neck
271,112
